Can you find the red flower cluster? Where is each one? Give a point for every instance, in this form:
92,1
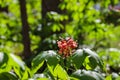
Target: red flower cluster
66,46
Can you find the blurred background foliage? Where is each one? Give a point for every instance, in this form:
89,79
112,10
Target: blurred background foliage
93,23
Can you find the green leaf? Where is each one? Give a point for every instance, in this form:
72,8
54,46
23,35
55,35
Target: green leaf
26,74
51,58
87,75
8,76
73,78
3,58
38,61
94,58
90,53
108,77
93,62
78,58
17,61
118,78
17,71
18,66
87,64
40,77
60,73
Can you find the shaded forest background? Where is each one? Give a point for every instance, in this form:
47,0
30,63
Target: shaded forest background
28,27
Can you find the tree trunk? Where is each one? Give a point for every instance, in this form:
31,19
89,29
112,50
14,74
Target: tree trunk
4,9
25,30
47,6
50,5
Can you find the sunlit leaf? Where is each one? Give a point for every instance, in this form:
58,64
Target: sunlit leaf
38,61
40,77
3,58
109,77
87,75
52,60
60,73
18,61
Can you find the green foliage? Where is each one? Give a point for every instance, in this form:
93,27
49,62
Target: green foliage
55,68
86,57
13,67
8,75
108,77
87,75
91,22
37,62
3,59
93,58
78,58
60,73
111,56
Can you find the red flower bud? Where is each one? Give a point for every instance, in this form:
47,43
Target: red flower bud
66,46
